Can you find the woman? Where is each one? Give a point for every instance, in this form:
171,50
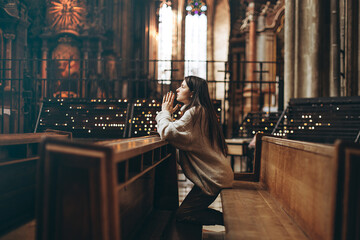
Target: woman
202,149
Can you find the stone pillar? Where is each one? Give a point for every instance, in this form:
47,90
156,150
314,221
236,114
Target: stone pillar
251,90
85,51
99,53
8,62
44,56
308,55
289,35
335,50
252,43
305,56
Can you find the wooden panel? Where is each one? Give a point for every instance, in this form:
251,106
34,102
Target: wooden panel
348,205
18,160
302,178
166,195
135,203
73,197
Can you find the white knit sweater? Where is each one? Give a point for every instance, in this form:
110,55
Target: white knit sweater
205,165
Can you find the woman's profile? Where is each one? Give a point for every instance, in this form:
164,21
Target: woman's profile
202,149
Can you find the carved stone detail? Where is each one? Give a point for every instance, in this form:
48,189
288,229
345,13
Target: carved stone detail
9,36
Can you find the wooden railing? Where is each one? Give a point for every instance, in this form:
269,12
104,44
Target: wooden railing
18,159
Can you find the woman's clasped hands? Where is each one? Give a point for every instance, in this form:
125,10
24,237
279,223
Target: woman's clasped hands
168,102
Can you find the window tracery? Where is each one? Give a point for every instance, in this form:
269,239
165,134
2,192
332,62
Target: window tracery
165,42
195,38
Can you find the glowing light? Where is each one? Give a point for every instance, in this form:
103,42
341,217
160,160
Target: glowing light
66,14
195,45
165,43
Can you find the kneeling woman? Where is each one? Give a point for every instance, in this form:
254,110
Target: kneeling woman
202,149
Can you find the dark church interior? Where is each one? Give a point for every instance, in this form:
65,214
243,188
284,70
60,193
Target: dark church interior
81,84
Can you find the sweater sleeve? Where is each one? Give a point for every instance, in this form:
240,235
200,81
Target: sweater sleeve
177,133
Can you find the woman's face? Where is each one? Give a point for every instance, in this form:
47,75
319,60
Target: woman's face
183,93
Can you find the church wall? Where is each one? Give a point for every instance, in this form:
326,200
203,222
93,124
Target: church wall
221,41
358,54
126,34
351,46
153,35
179,38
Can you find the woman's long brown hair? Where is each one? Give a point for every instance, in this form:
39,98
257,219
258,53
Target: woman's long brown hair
201,101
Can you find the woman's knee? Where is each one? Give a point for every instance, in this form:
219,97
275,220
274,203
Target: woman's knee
180,214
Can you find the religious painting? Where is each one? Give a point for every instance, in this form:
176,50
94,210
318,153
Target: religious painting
66,70
66,15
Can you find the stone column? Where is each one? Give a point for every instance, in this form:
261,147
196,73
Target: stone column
289,35
8,62
99,53
308,54
85,68
251,90
44,56
252,42
335,50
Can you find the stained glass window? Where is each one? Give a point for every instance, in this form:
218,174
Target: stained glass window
165,43
196,7
195,38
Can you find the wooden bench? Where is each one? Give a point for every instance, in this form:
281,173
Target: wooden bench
301,190
120,189
18,159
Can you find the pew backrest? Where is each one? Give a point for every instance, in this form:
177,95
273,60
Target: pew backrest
103,191
18,158
307,180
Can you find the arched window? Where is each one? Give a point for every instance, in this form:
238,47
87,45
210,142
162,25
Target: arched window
195,38
165,42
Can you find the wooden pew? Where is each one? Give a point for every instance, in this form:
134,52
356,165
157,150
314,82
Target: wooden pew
120,189
18,159
304,191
